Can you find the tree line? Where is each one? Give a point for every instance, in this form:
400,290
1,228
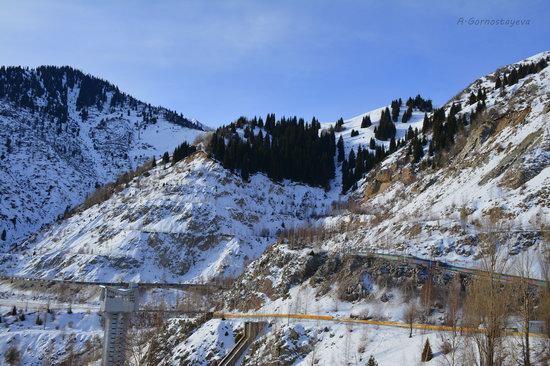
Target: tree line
285,148
520,72
44,91
360,162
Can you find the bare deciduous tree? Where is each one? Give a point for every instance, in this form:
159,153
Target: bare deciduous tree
451,342
135,345
411,313
12,355
487,305
524,303
543,309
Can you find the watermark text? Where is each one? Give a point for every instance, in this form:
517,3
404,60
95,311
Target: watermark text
496,22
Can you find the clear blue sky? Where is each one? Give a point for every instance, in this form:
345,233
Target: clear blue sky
217,60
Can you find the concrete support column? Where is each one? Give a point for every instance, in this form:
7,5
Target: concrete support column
114,341
117,307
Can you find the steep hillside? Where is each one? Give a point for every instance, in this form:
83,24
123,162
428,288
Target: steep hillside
483,166
485,182
494,177
193,221
491,185
196,220
62,133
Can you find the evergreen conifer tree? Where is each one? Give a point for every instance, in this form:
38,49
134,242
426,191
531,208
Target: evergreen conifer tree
182,151
351,159
498,83
3,236
366,122
417,150
386,128
427,354
339,125
8,145
426,123
359,164
345,177
407,115
393,145
372,361
166,158
395,105
513,78
410,133
245,170
340,147
472,99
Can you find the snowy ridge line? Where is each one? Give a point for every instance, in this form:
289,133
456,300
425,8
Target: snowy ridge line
260,317
62,166
186,286
502,277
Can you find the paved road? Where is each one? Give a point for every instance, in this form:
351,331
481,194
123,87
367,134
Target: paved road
183,286
44,304
503,277
36,305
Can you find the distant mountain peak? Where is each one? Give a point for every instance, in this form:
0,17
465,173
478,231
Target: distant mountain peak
63,133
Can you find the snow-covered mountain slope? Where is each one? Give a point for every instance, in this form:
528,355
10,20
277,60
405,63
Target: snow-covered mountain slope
193,221
292,343
62,133
197,221
365,134
495,177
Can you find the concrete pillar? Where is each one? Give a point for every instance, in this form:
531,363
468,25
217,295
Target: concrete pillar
114,342
117,307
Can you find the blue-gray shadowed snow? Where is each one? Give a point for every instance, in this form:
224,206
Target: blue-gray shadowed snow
62,133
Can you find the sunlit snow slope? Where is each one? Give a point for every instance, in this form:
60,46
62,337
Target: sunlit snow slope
189,222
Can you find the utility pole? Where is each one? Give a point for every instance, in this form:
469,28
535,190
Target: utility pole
117,306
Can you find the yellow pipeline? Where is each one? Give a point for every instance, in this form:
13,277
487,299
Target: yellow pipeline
439,328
